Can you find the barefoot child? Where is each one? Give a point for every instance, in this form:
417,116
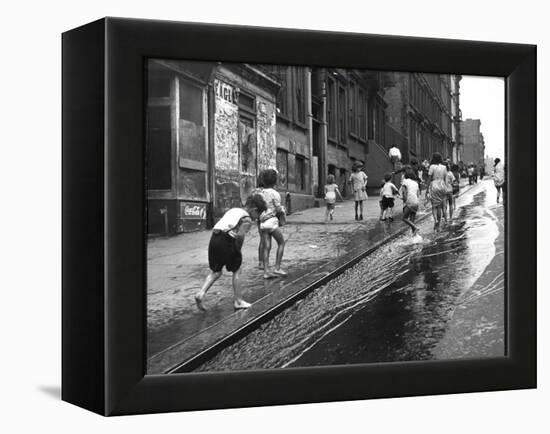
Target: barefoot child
270,226
331,190
225,245
410,193
388,192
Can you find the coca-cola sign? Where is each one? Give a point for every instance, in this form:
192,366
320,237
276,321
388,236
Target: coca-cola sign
193,210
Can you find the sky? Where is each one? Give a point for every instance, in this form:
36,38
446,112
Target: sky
483,98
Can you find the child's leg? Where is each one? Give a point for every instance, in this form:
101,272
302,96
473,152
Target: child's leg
356,209
261,251
327,212
278,235
267,249
360,210
238,301
208,282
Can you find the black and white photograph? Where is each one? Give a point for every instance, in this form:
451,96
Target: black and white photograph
316,216
278,217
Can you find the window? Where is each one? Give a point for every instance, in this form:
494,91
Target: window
191,98
159,148
247,102
281,74
159,84
372,121
331,108
300,173
342,114
352,108
299,95
361,118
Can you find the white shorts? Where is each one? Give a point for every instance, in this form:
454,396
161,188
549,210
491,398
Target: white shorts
270,224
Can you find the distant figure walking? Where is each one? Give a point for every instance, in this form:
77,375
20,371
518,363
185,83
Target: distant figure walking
437,189
224,249
358,180
499,178
395,156
331,190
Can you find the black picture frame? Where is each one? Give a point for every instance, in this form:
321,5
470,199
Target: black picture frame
104,236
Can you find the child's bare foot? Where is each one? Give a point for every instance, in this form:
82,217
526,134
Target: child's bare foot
198,301
280,272
241,304
269,275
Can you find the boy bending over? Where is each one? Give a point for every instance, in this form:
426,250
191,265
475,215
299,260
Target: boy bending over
225,246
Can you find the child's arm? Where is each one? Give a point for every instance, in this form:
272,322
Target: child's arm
403,193
395,190
338,191
277,202
244,227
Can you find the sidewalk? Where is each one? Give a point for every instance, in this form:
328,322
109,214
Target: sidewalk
178,265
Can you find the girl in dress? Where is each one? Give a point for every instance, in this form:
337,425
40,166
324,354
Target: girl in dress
358,181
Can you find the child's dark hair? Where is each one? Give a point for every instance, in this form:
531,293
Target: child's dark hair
330,179
437,158
409,173
268,178
387,177
454,167
256,201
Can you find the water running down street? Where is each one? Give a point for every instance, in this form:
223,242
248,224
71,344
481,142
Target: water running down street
439,299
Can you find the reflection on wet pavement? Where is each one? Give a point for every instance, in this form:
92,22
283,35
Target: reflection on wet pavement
395,305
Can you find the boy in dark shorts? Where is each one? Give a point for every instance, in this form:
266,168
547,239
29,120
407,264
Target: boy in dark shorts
387,193
225,245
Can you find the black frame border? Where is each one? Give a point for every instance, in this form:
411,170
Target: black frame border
116,357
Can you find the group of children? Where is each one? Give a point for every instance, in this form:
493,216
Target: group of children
224,249
409,192
264,206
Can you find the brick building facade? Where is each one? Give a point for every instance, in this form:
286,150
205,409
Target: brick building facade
211,127
474,144
423,110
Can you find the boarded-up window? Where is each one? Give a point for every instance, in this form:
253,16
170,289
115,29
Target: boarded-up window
193,158
159,153
300,173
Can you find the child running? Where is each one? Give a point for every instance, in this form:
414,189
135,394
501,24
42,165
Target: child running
410,193
225,246
331,190
269,224
387,193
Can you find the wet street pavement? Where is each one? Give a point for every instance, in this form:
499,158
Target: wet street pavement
442,298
